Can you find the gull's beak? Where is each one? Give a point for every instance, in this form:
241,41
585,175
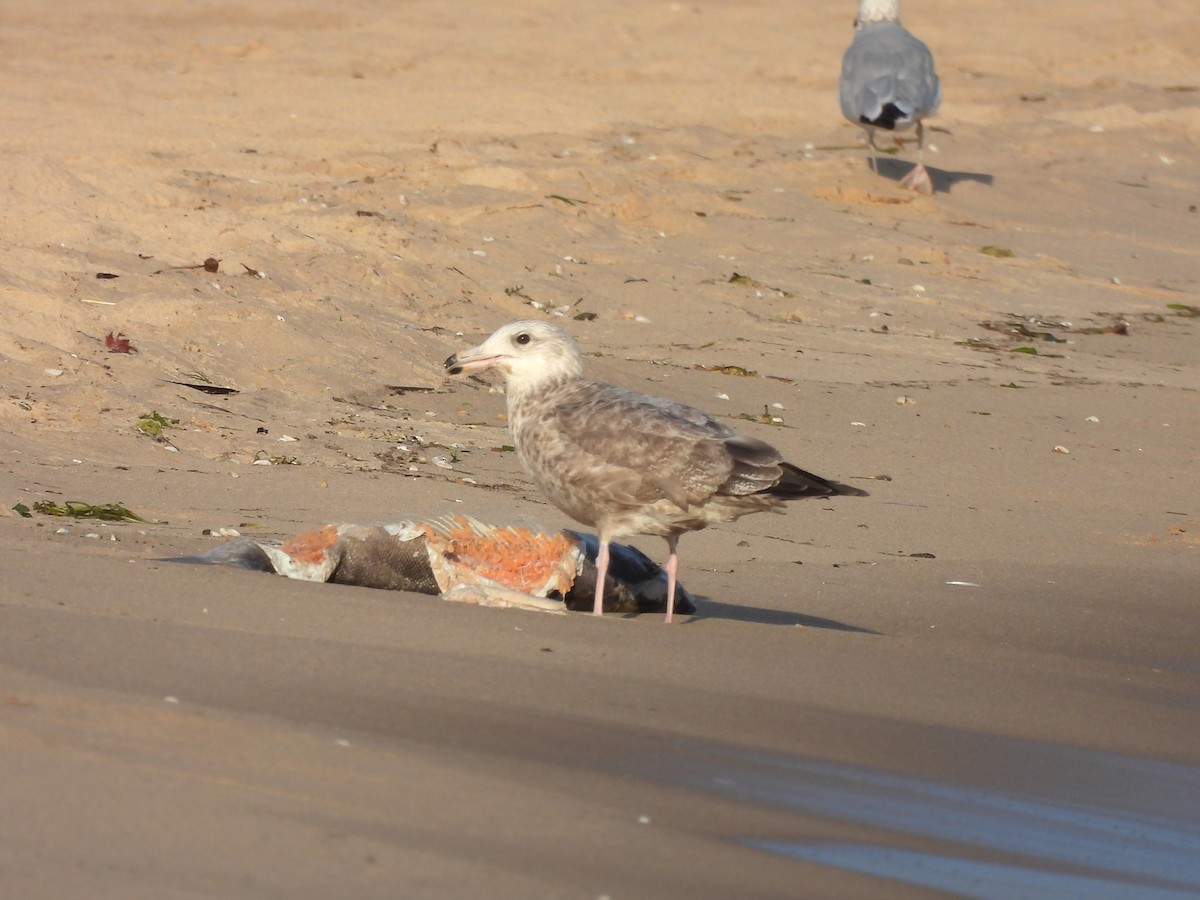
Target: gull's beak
474,360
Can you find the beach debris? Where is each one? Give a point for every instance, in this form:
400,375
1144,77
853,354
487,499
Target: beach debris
22,510
1034,351
105,276
210,265
766,417
728,370
999,252
1185,309
1041,327
154,425
265,458
223,532
1021,329
78,509
747,281
204,388
461,559
118,343
1059,448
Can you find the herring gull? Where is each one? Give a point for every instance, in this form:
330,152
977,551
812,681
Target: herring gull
888,81
623,462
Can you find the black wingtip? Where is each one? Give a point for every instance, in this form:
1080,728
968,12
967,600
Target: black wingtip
796,484
451,365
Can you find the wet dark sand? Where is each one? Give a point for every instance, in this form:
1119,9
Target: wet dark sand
187,731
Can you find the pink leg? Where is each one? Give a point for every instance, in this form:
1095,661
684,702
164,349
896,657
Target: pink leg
918,179
601,574
671,568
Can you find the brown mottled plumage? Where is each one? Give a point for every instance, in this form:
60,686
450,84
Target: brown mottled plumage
627,463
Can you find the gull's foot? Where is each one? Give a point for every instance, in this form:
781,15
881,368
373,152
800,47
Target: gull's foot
918,180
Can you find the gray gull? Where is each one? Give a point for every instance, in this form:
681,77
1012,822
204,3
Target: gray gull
627,463
888,82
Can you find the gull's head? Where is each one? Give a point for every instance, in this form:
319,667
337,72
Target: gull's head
870,11
529,355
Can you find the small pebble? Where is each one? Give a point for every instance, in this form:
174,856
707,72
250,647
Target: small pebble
1061,449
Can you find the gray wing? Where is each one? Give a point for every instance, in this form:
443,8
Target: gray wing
649,448
888,78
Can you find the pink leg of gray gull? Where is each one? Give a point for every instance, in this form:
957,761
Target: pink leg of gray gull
623,462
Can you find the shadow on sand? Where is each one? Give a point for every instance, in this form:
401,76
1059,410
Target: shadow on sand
740,612
943,181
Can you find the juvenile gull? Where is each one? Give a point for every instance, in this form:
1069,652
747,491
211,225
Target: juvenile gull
626,463
888,82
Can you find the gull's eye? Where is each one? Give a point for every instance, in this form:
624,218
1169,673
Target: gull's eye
521,339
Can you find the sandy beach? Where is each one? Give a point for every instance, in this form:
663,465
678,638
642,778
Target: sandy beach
982,680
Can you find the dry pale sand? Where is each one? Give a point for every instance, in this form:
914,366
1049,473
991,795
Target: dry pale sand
981,680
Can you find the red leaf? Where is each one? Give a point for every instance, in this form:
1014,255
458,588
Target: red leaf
119,343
